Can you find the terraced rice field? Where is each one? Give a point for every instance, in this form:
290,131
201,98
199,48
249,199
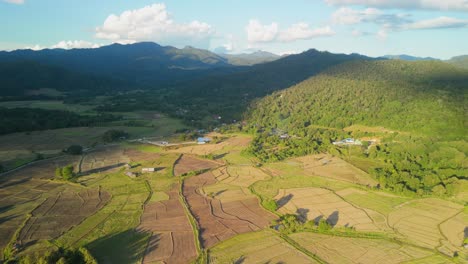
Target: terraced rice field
328,166
419,220
103,159
58,214
220,220
256,247
188,163
211,148
314,204
172,239
334,249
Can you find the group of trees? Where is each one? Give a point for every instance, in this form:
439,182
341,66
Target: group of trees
424,101
30,119
60,256
65,173
114,135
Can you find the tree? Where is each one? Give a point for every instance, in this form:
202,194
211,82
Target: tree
67,172
74,150
114,135
58,172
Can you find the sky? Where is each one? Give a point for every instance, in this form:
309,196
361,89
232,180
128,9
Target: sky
435,28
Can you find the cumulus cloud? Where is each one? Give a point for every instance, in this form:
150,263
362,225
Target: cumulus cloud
152,23
67,44
16,2
442,5
258,33
75,44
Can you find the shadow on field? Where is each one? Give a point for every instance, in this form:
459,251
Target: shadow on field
240,260
302,214
101,169
466,232
125,247
333,218
284,200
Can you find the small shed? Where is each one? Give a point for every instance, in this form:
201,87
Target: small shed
127,166
148,170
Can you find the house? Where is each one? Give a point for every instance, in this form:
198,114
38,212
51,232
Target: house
127,166
131,174
348,141
203,140
148,170
284,136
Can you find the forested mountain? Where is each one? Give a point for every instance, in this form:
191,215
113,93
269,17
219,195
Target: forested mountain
142,63
19,78
408,58
420,105
247,59
229,94
459,61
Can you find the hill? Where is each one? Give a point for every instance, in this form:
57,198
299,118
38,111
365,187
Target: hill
413,111
248,59
144,63
228,95
26,78
408,58
459,61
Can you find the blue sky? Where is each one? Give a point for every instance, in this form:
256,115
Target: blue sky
437,28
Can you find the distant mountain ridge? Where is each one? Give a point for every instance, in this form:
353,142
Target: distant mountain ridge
142,63
248,59
459,61
408,58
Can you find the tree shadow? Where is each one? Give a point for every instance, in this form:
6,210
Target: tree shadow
317,219
466,232
220,156
284,200
101,169
124,247
333,218
220,192
302,214
240,260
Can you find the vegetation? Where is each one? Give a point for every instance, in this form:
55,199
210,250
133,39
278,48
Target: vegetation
65,173
30,119
74,150
418,155
61,256
114,135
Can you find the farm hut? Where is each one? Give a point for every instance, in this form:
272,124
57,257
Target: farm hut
203,140
127,166
148,170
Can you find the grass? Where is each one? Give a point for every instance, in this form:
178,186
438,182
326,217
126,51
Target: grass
380,203
50,105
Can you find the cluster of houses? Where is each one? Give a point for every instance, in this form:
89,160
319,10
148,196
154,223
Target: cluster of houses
348,142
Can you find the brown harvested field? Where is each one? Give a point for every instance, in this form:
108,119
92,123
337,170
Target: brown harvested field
256,247
326,165
454,229
220,220
188,163
334,249
314,204
103,159
139,156
172,239
205,149
59,213
243,176
419,220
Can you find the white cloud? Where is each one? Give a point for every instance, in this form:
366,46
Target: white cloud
259,33
75,44
256,32
348,16
439,22
443,5
35,47
382,34
303,31
16,2
152,23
